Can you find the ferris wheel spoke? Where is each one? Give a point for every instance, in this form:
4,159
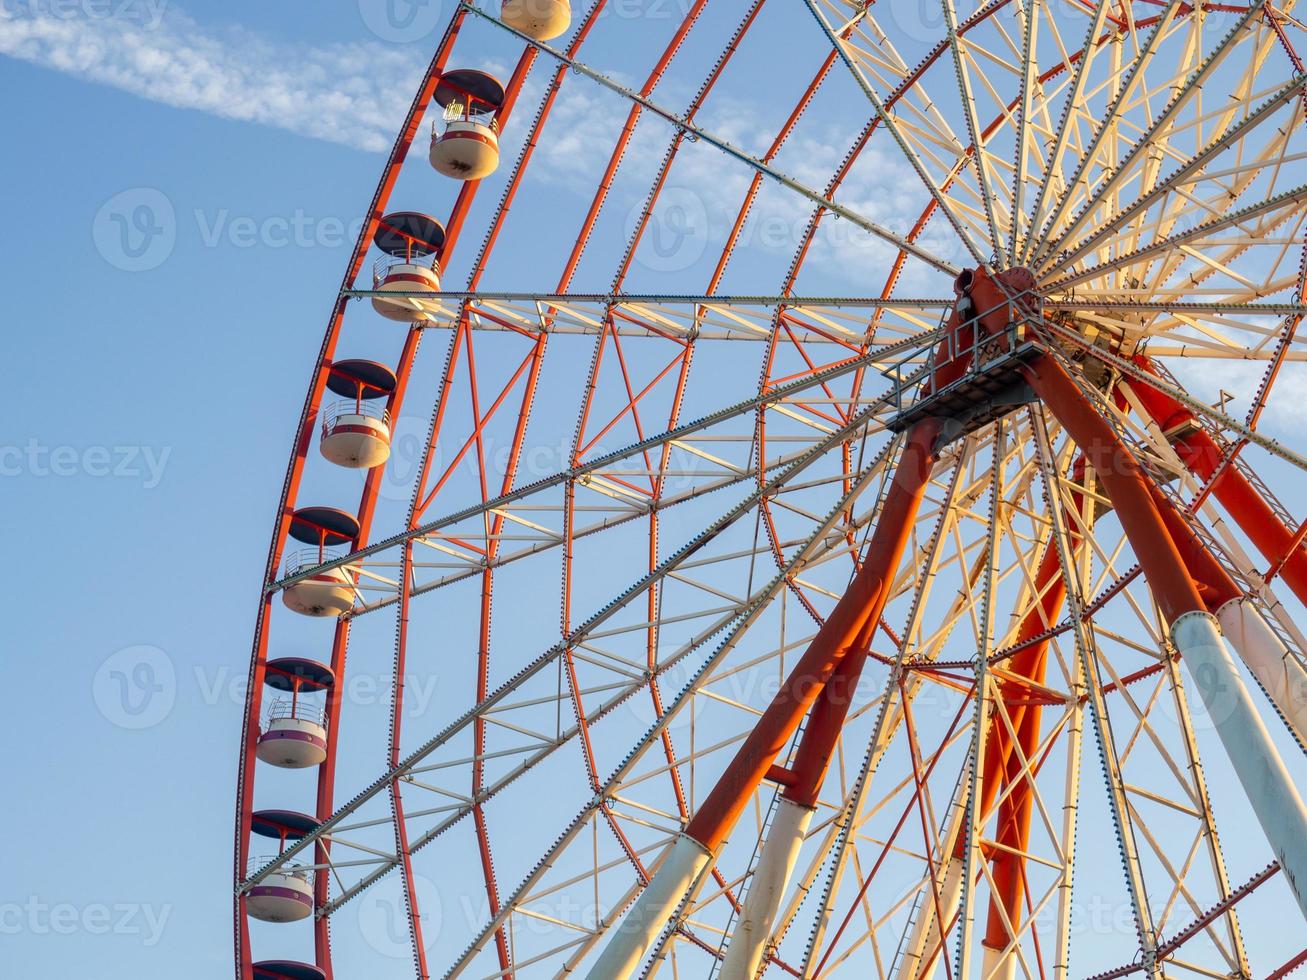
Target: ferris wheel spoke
1190,172
1160,127
885,708
1087,672
1134,171
624,785
1106,128
715,451
1221,268
1028,17
1205,558
732,151
958,502
1171,839
1072,107
922,946
677,142
888,121
1273,211
898,694
1069,507
496,700
980,160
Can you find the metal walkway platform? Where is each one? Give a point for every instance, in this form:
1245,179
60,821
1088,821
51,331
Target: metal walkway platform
986,392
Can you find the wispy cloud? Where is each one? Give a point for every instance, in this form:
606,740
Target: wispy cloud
1235,382
356,94
346,93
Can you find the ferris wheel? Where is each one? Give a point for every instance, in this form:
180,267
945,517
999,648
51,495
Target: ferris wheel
827,530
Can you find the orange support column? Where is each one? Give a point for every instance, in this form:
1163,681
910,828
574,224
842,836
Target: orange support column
861,604
1243,501
1003,765
1126,484
688,858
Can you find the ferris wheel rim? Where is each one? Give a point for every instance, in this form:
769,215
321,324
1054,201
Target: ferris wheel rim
468,299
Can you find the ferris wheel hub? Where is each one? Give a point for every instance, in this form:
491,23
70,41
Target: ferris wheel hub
975,372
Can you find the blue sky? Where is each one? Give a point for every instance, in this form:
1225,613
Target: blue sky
199,365
153,394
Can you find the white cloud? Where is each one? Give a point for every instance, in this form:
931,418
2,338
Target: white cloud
1207,378
353,94
357,93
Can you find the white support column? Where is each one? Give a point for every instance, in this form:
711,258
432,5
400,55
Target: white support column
629,942
1270,790
780,852
1279,674
998,965
924,941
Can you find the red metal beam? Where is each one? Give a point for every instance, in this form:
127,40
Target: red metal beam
861,604
1241,499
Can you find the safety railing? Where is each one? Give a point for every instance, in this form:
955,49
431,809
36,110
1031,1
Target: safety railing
455,113
367,408
974,349
295,709
291,869
306,558
383,266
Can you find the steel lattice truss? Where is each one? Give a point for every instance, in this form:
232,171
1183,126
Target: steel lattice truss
611,622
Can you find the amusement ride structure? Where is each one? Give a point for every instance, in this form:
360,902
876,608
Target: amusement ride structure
892,620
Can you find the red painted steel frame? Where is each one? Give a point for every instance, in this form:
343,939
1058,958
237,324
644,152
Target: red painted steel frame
861,604
285,508
1278,544
942,47
1175,561
289,492
1126,484
1003,763
535,360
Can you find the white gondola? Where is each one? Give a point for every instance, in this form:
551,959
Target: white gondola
294,734
540,20
466,146
329,591
356,432
326,593
409,266
286,893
